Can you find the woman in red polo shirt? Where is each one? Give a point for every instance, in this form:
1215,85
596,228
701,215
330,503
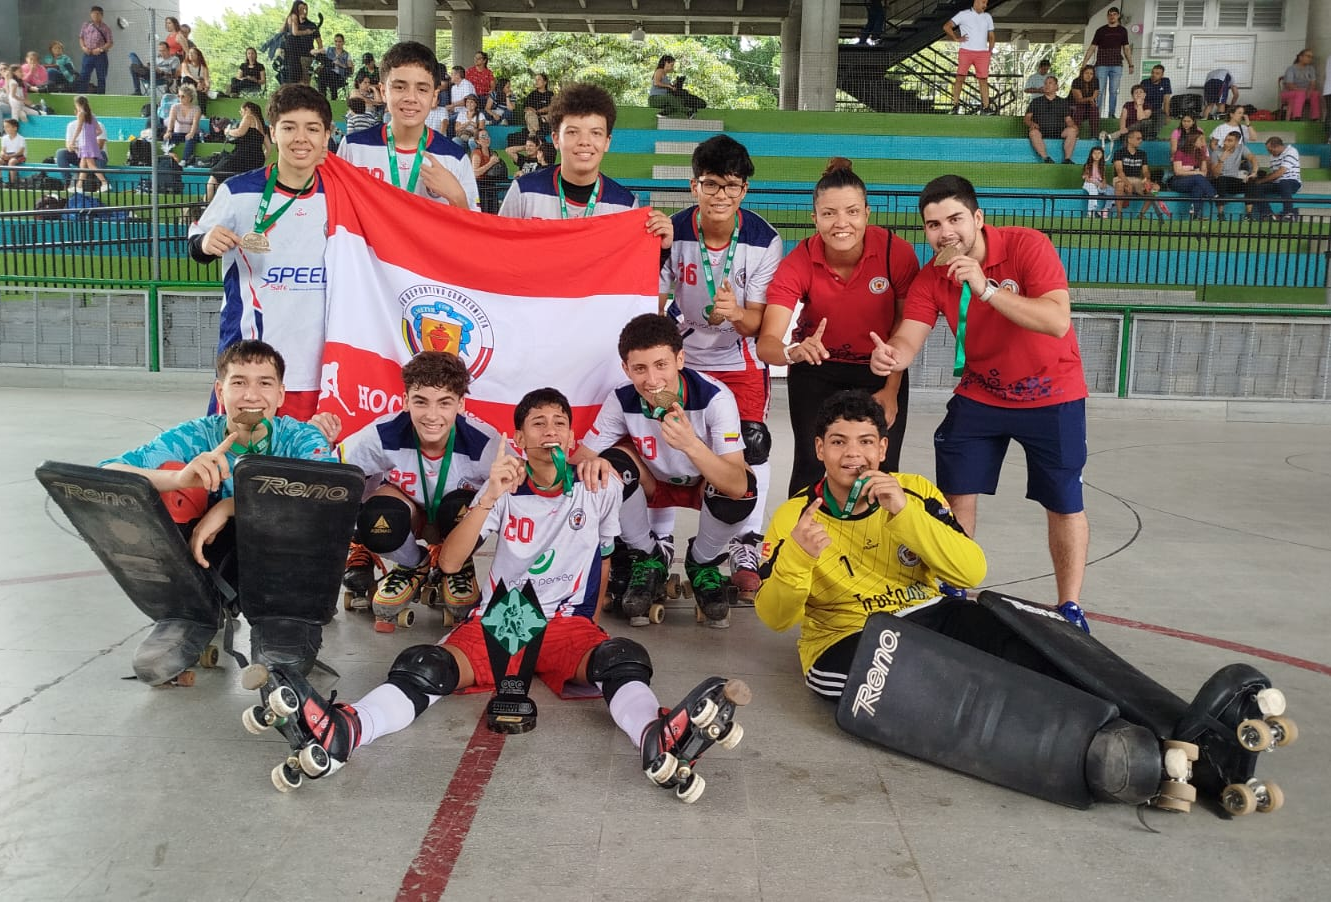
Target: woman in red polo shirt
852,278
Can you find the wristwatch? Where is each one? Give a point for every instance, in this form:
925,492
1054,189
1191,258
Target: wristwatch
990,291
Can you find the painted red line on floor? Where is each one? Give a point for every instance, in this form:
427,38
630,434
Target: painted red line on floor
427,878
51,577
1324,669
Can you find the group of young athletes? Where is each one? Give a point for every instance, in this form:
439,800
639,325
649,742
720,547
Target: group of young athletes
594,513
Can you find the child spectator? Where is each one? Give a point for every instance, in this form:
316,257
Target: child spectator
367,70
370,93
358,117
468,121
89,137
13,150
60,69
1095,183
33,73
16,93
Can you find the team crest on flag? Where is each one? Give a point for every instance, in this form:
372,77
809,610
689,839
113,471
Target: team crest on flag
438,318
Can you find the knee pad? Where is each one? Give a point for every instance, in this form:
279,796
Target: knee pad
424,670
626,467
383,524
453,507
616,662
757,442
729,510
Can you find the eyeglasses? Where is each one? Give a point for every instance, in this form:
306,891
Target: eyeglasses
732,189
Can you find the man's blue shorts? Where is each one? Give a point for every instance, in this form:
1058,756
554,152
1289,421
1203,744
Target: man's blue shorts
971,442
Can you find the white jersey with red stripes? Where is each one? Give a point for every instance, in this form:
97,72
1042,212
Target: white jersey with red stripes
368,150
386,451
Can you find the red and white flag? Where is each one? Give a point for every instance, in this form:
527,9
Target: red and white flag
525,303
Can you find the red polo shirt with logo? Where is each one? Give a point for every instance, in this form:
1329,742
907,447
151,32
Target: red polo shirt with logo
853,307
1006,365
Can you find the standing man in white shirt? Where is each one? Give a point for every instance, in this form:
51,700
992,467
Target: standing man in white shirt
973,29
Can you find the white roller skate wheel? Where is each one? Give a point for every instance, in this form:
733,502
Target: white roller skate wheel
1270,798
348,600
1239,799
314,760
429,596
1271,701
406,618
284,701
691,791
703,713
209,657
1255,735
254,676
253,720
1165,803
281,781
1176,764
662,769
673,587
1286,731
730,738
1183,792
656,613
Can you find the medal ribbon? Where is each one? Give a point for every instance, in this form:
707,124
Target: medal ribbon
432,503
959,362
563,204
852,498
658,413
707,259
562,476
263,445
264,223
415,163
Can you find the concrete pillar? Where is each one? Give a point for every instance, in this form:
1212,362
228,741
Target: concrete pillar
820,21
790,57
466,36
416,21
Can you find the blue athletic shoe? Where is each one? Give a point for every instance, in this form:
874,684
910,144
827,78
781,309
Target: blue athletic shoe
1073,612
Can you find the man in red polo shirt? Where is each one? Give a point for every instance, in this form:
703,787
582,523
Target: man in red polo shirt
1004,293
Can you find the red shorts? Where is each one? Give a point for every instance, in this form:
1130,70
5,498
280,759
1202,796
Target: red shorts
567,641
977,58
752,390
668,494
300,404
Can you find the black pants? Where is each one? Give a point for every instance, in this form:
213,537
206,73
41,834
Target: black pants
809,386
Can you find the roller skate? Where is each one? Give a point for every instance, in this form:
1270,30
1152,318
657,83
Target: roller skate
393,598
168,652
673,743
459,593
322,733
744,559
711,591
1236,715
643,600
358,578
621,569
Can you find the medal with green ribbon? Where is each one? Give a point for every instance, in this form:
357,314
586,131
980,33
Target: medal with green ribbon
662,401
853,497
562,475
256,242
415,162
707,264
959,362
261,446
591,200
433,534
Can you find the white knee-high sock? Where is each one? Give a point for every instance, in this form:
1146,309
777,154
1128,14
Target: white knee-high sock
634,526
408,554
713,536
386,709
661,520
634,706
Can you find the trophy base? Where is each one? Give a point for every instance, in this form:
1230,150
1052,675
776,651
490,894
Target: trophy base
510,714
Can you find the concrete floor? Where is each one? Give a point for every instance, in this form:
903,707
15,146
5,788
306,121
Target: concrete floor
1206,518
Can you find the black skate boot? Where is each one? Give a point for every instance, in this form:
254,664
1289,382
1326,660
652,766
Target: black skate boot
711,590
322,734
621,569
646,586
167,653
358,578
1235,716
284,640
673,743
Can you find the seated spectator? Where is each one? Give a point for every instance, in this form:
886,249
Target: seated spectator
367,70
1136,114
524,157
468,121
1219,94
1235,121
1187,125
669,97
16,96
1035,84
358,117
370,92
252,77
499,103
182,123
1283,179
1132,174
1084,100
1095,182
60,71
249,147
1158,93
536,105
1300,86
491,173
13,151
1050,115
33,73
337,68
438,118
1191,168
196,68
459,89
1232,166
167,65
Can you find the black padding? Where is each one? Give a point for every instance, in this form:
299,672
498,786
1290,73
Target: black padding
616,662
927,695
626,467
384,523
424,670
453,507
729,510
280,640
757,442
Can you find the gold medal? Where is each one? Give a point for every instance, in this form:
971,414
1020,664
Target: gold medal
715,318
664,399
947,254
255,243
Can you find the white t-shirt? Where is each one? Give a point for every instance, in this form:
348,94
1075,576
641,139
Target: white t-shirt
974,29
13,145
1217,75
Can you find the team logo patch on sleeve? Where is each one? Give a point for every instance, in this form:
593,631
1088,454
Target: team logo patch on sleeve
907,557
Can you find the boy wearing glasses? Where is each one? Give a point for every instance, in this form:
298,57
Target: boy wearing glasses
721,261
